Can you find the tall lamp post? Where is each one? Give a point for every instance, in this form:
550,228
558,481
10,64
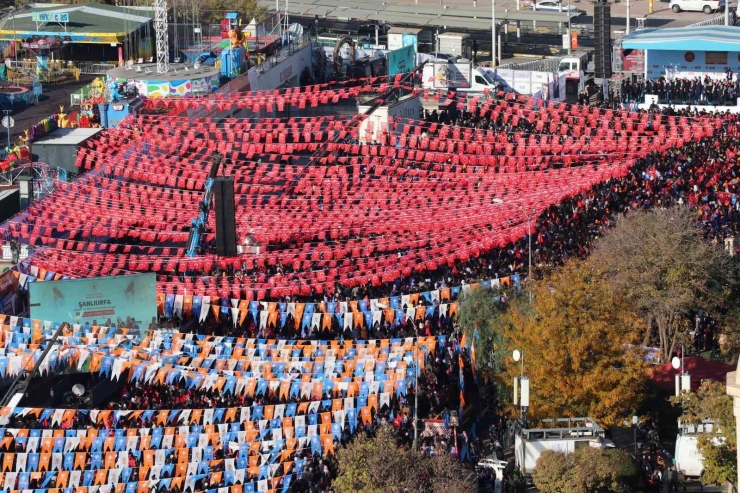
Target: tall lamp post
529,236
416,389
683,380
521,386
493,34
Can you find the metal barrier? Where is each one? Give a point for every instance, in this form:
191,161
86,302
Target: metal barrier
714,21
284,53
544,65
91,68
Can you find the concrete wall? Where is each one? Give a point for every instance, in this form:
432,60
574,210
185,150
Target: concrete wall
661,61
59,155
286,73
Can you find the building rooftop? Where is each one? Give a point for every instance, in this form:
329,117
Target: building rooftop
148,72
413,14
88,23
706,38
67,136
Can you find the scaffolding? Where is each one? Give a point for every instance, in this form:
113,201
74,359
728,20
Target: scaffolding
160,28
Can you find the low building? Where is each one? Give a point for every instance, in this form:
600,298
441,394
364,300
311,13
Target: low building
82,32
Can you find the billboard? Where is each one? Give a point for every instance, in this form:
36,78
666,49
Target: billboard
451,75
96,300
401,60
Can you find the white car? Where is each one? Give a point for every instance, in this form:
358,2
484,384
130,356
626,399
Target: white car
706,6
495,464
554,6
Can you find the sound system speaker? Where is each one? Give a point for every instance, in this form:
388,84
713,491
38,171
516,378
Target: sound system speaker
223,189
602,40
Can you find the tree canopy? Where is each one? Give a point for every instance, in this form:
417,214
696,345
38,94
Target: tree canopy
375,463
481,308
587,470
576,337
711,402
214,10
659,261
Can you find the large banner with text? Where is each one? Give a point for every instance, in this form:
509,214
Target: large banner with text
401,60
96,301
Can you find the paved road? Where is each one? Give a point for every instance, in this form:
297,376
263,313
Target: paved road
53,97
661,17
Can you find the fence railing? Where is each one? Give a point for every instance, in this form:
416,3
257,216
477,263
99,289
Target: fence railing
544,65
714,21
284,53
92,68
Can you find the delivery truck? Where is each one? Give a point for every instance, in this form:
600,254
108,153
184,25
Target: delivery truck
457,74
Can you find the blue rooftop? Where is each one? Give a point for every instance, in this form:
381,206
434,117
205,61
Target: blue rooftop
706,38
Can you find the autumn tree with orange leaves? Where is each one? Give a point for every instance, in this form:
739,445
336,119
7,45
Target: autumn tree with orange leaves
578,339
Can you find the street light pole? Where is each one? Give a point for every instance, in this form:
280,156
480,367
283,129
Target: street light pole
570,36
529,236
493,34
416,389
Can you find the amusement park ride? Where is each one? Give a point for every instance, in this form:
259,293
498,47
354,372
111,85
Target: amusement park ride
121,88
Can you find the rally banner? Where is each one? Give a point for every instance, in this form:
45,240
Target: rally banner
96,300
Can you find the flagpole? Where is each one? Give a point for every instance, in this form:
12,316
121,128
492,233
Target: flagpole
416,389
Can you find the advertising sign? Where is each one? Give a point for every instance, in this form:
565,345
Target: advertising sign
451,75
96,300
61,17
401,60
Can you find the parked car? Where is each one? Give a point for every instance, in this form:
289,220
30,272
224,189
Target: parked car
706,6
555,6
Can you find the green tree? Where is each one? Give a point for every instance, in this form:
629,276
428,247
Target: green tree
576,338
719,453
481,308
659,261
587,470
212,11
372,464
552,472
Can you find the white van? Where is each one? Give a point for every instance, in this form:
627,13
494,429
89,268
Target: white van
688,458
706,6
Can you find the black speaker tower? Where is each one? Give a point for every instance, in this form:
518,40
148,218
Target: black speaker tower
602,40
223,188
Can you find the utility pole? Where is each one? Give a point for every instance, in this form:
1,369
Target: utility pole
727,12
416,389
493,34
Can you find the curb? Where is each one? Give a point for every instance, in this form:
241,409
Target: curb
527,55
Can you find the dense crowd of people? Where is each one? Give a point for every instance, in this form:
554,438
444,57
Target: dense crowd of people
696,90
701,174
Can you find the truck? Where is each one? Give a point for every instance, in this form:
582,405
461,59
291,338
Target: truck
398,37
571,67
688,459
561,435
455,44
457,74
